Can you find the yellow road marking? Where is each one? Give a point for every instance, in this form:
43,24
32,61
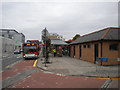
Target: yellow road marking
115,78
103,78
7,66
34,65
109,78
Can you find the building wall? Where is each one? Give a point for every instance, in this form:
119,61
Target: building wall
112,55
19,39
88,54
77,51
53,38
72,51
7,46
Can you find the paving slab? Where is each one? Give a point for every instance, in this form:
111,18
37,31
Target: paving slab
72,66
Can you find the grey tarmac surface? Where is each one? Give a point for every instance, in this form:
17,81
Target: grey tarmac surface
10,60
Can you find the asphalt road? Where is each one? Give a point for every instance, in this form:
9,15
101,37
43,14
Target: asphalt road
17,72
10,60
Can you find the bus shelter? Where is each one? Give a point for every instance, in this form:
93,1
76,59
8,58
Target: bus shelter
59,45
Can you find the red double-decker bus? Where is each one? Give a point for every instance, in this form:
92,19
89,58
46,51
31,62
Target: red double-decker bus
30,50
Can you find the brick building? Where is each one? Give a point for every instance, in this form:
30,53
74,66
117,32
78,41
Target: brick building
97,46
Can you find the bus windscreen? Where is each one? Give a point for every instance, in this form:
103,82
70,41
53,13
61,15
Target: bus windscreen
27,49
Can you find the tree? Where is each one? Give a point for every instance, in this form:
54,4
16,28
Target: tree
76,36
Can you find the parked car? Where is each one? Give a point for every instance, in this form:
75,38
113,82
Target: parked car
21,50
17,52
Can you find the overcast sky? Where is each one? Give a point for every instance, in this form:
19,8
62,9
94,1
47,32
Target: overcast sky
64,18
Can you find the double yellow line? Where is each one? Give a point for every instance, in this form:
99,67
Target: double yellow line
35,63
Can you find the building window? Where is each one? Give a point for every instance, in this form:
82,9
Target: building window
84,46
113,47
88,46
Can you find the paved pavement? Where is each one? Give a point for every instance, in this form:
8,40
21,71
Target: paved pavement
71,66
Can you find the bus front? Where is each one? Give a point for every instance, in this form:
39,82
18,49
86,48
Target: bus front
30,50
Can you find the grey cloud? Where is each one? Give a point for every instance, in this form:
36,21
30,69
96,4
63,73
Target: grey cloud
66,19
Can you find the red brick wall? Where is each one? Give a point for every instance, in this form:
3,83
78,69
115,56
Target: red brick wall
71,50
77,51
88,54
110,54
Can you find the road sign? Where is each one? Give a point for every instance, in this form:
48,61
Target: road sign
104,59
